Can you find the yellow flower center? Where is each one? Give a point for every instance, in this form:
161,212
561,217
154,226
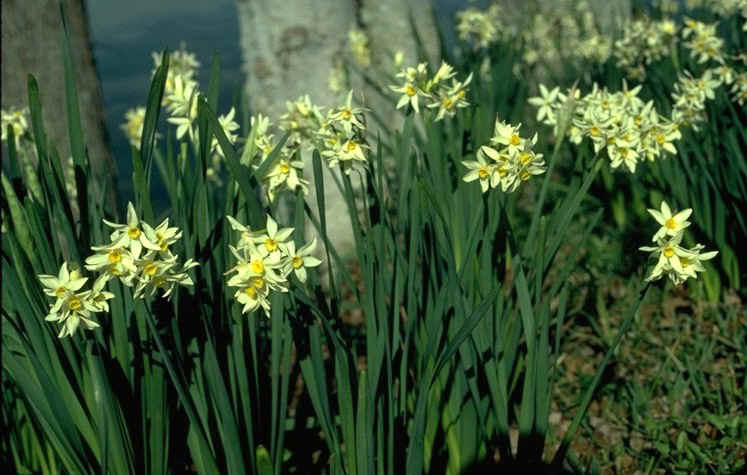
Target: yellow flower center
611,140
267,149
114,256
502,171
483,173
163,244
461,94
525,158
668,251
74,303
258,267
352,146
346,114
113,269
271,244
284,168
660,139
297,262
60,292
524,175
257,282
594,131
685,261
447,103
251,292
515,140
133,233
410,91
624,152
150,268
671,223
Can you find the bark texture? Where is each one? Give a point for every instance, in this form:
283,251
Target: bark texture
31,44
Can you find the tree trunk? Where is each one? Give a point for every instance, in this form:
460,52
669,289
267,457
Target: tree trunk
289,48
31,44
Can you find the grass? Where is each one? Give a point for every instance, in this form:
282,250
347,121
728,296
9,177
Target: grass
493,330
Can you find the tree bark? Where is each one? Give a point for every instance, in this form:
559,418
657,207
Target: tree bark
31,44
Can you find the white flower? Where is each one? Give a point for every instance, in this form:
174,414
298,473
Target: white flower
671,223
298,261
545,102
668,253
129,235
65,282
482,170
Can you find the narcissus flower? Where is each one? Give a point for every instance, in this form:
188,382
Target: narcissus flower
64,282
74,307
512,160
671,223
418,86
133,126
481,170
299,260
673,260
264,260
544,102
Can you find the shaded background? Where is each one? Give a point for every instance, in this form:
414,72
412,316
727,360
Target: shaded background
125,33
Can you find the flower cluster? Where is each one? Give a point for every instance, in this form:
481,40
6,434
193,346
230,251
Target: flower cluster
620,123
508,161
74,306
180,101
17,119
359,47
138,255
702,41
481,28
672,259
690,95
133,126
554,34
643,42
418,84
739,88
338,133
265,260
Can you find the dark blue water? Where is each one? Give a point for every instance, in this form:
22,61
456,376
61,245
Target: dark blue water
124,33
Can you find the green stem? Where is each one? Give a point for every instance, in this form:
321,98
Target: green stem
543,194
182,391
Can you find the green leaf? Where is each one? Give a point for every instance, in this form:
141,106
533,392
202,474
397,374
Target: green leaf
75,130
18,218
150,122
37,120
264,464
